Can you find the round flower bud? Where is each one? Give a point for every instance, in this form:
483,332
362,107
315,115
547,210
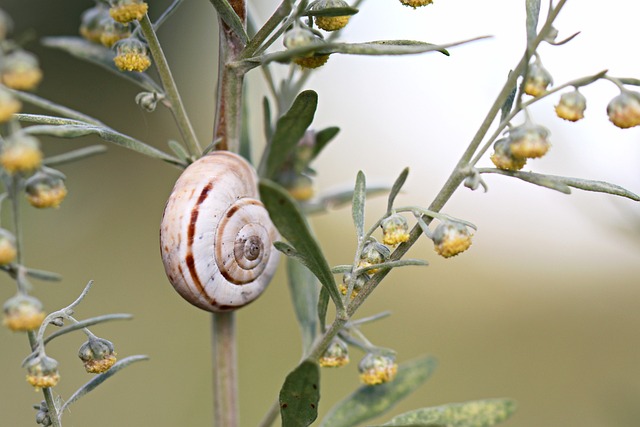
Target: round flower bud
571,106
331,23
416,3
8,250
361,279
42,416
5,25
9,105
42,372
21,71
377,368
125,11
373,253
91,22
336,355
113,32
97,354
20,153
45,190
451,238
502,157
131,55
301,37
624,109
538,80
301,188
528,141
312,62
22,313
395,229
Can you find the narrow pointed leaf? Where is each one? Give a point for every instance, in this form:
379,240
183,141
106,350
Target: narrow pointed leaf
293,227
323,138
72,156
86,323
44,275
397,186
533,12
289,130
99,379
268,131
300,395
323,305
478,413
179,150
357,207
508,103
229,16
304,289
101,56
369,402
563,183
392,264
332,11
339,198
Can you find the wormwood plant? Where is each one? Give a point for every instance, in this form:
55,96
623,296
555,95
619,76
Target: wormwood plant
121,36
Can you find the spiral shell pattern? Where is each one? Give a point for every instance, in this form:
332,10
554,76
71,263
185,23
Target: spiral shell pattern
216,237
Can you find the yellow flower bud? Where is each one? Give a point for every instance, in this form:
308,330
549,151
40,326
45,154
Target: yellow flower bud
131,55
416,3
113,32
23,313
92,22
503,159
336,355
571,106
45,190
20,153
451,238
8,251
377,368
21,71
331,23
624,109
538,80
125,11
97,354
395,229
9,105
528,141
42,372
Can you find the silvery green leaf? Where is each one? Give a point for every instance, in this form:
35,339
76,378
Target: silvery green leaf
533,12
229,16
101,56
369,402
630,81
508,103
293,226
332,11
392,264
86,323
338,199
563,183
43,275
289,130
304,289
99,379
478,413
266,108
300,395
358,202
179,150
395,189
323,305
74,155
323,137
68,128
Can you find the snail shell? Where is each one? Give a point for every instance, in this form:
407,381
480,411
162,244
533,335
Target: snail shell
216,237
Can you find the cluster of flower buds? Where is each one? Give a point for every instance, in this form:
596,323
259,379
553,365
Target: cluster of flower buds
111,27
373,253
358,283
527,141
42,416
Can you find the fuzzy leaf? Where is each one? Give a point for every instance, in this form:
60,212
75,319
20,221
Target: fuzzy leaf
508,103
230,17
268,131
369,402
99,379
332,11
300,395
478,413
338,199
533,12
397,186
86,323
563,183
101,56
357,207
293,227
323,137
391,264
43,275
323,305
303,286
68,128
72,156
289,130
179,150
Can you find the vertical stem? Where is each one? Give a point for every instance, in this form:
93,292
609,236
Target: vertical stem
228,119
177,106
225,378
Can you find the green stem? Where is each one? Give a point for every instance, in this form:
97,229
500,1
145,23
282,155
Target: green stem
225,388
177,106
256,41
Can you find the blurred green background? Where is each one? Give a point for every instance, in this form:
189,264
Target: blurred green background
545,307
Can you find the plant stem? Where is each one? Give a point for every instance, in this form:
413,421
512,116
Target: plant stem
225,388
177,106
